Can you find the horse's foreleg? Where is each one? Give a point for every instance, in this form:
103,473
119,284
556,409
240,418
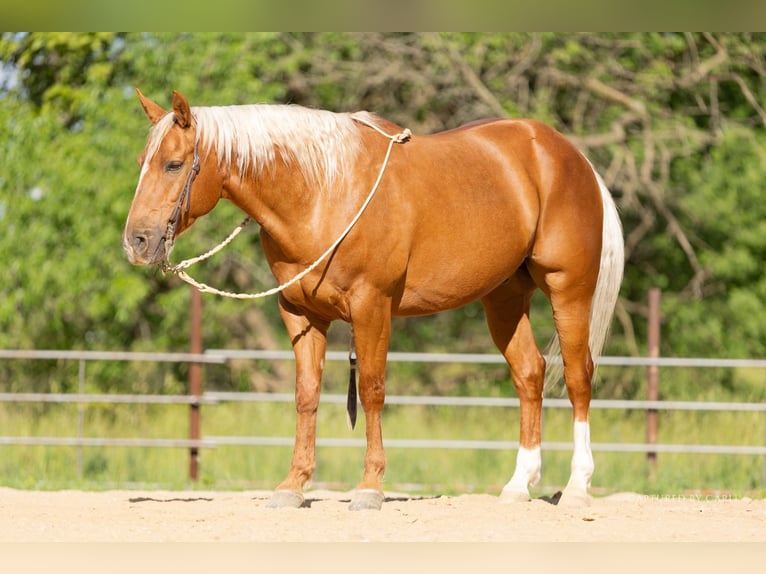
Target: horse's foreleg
309,344
372,336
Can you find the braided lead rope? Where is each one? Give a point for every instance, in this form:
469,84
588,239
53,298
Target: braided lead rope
204,288
189,262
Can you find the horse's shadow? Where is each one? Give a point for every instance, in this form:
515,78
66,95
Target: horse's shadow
139,499
309,500
552,499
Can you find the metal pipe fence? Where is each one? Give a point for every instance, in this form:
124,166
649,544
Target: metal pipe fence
221,356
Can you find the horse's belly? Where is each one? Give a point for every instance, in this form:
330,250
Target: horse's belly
454,283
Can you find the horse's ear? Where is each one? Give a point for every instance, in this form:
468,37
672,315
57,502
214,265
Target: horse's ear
181,110
153,111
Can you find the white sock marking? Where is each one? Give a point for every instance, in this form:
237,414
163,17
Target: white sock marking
528,466
582,458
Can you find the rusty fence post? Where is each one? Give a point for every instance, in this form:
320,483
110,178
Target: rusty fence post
653,378
195,378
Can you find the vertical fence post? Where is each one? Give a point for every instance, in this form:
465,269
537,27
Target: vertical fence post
80,416
653,377
195,378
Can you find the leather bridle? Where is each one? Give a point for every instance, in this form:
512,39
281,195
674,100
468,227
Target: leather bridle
181,209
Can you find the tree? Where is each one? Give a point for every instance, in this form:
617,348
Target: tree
674,122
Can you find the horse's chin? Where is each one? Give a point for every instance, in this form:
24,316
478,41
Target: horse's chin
161,254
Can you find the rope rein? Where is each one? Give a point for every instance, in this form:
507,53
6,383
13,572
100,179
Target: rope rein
179,269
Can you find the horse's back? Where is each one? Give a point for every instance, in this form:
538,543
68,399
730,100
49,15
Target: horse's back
474,203
498,175
544,172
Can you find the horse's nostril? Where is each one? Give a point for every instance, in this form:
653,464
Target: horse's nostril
140,243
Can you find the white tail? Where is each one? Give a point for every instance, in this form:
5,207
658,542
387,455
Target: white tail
607,288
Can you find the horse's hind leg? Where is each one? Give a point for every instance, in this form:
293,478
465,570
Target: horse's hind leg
507,311
570,296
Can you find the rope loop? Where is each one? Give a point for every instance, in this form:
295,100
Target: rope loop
402,137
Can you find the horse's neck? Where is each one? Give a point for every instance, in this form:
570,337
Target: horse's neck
288,211
301,219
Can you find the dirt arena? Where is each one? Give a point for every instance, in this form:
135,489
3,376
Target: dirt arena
198,516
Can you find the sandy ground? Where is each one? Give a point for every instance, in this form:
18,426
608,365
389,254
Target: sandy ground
198,516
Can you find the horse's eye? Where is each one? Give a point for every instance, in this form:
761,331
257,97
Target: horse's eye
172,166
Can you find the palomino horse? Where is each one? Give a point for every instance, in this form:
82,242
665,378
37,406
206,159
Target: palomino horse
493,211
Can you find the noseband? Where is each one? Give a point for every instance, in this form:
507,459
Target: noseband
181,208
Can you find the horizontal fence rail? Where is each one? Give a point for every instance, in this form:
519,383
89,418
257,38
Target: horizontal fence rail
496,358
93,441
114,356
226,396
221,356
108,399
213,398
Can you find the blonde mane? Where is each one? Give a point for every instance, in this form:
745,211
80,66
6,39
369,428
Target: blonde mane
322,144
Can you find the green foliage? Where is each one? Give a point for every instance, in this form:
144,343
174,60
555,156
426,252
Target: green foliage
726,211
674,121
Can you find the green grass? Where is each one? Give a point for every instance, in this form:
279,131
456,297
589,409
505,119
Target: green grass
417,470
420,470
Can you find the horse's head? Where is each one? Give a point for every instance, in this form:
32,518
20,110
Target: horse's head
164,204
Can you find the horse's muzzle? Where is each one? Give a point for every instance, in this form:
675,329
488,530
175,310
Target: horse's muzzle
144,247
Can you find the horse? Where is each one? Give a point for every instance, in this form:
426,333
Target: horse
492,210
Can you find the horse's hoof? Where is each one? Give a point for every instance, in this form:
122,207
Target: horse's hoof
366,500
574,498
285,499
508,496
